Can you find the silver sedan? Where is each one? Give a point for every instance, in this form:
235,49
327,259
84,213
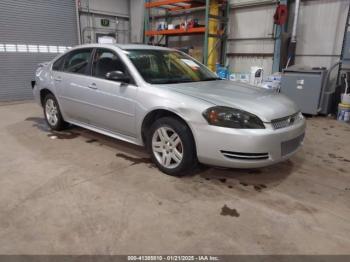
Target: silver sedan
170,103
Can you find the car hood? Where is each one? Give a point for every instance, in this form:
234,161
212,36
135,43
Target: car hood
263,103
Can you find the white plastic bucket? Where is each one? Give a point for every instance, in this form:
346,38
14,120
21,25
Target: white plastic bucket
344,113
345,99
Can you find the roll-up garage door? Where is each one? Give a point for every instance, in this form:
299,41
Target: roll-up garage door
32,32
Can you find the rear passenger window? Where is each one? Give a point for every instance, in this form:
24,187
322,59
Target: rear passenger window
58,65
78,61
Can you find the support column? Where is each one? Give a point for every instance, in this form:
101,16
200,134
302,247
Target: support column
213,30
278,41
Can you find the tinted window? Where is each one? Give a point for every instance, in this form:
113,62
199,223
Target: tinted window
57,66
106,61
78,61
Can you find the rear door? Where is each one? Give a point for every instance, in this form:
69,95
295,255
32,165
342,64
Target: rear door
72,85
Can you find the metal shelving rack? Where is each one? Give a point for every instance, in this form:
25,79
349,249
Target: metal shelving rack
214,30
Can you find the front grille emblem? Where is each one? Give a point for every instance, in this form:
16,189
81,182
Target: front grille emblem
284,122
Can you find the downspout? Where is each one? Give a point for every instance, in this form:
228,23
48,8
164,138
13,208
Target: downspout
77,8
295,21
293,41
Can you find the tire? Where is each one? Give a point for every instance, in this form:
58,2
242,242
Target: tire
170,138
53,114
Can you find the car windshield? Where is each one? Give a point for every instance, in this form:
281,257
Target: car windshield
168,67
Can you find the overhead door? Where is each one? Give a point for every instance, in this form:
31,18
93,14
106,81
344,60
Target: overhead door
32,32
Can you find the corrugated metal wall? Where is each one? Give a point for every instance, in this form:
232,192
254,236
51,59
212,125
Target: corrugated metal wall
107,7
250,32
31,32
320,31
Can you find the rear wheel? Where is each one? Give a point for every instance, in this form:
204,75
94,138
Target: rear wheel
172,147
53,114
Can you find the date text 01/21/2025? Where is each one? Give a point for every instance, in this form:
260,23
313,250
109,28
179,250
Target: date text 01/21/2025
173,258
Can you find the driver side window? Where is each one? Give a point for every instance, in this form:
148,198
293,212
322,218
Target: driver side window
78,61
106,61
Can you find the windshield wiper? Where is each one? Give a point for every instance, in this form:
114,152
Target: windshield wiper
212,79
178,81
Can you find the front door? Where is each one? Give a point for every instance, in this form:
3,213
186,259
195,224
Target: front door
113,102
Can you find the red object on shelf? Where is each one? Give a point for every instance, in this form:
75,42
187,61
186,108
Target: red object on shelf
281,15
191,31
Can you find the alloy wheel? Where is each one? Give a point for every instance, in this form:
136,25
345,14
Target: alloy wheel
167,147
51,112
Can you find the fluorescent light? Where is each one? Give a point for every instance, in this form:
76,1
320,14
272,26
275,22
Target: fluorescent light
22,48
10,48
33,48
62,49
43,49
53,49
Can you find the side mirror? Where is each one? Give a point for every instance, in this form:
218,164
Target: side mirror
118,76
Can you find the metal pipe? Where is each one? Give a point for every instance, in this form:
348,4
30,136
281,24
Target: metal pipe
251,54
206,36
295,22
320,55
260,3
98,12
78,20
250,38
329,73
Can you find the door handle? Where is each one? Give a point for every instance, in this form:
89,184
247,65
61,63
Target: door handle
92,86
58,79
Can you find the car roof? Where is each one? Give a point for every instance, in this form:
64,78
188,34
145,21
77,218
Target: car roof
125,46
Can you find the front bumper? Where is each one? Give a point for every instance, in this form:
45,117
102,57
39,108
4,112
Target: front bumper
247,148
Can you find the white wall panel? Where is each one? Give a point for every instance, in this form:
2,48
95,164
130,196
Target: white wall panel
251,22
112,7
251,46
116,11
243,64
90,25
320,31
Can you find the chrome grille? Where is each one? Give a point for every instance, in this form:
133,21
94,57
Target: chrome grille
285,121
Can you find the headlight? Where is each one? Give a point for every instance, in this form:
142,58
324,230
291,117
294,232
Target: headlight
233,118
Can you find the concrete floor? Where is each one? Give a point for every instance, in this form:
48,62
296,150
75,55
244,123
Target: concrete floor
83,193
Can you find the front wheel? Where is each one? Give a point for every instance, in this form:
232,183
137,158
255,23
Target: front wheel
172,146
